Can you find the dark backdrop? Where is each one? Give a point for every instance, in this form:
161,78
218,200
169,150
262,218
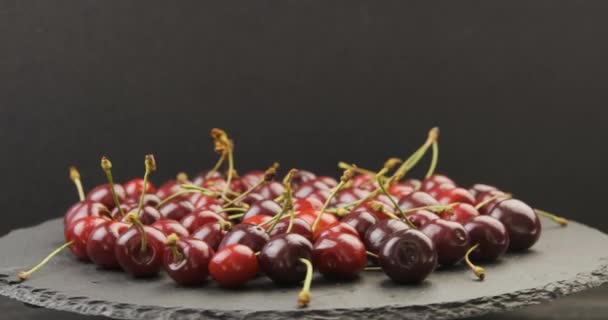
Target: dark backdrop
519,89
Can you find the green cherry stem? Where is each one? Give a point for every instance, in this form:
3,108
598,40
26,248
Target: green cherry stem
23,275
411,162
150,164
479,272
304,295
171,242
484,203
217,165
75,177
345,166
134,220
434,160
106,165
269,174
403,215
346,176
560,220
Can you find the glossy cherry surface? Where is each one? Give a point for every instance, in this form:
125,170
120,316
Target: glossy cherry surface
485,197
84,209
420,218
327,219
342,256
450,239
454,195
400,190
437,190
246,234
490,234
361,220
103,194
101,242
191,266
270,190
170,188
461,213
176,210
198,218
134,187
380,231
337,228
169,226
479,188
408,256
301,177
259,219
417,199
147,215
433,181
299,226
233,265
149,200
279,258
211,233
265,207
205,175
521,222
79,232
134,260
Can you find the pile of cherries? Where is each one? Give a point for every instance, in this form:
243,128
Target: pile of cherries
234,227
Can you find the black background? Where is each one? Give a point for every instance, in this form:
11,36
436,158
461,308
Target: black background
519,89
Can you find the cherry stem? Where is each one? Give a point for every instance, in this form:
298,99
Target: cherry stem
304,295
345,166
371,254
433,208
377,206
172,243
106,165
269,174
477,270
134,220
23,275
561,221
150,164
416,156
390,197
346,176
204,191
434,160
372,269
287,203
236,216
217,165
181,178
496,197
75,176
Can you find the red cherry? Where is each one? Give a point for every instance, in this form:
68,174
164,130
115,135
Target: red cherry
417,199
250,235
337,228
136,260
421,218
270,190
187,260
176,210
361,220
200,201
450,238
342,256
456,195
170,226
461,213
78,232
400,190
431,182
263,207
435,192
299,226
100,246
348,195
147,215
134,187
200,179
479,188
258,219
103,194
212,233
84,209
198,218
170,188
485,196
327,220
252,178
233,266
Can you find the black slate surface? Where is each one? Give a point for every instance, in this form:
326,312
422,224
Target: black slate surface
554,268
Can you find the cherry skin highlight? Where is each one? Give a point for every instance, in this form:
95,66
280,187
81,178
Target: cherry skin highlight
84,209
233,266
79,232
408,256
380,231
103,194
134,260
101,243
279,258
169,226
491,235
190,267
522,223
450,239
134,187
342,256
246,234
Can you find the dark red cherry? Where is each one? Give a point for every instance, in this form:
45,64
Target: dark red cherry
270,190
103,194
134,187
198,218
200,179
309,188
380,231
252,198
364,181
279,258
460,195
487,196
250,235
431,182
84,209
408,256
138,261
79,232
490,234
200,200
233,265
420,218
337,228
170,226
100,246
361,220
450,239
417,199
265,207
342,256
147,215
212,233
252,178
379,212
187,261
461,213
258,220
301,177
150,199
170,188
215,184
521,222
479,188
299,226
352,194
176,210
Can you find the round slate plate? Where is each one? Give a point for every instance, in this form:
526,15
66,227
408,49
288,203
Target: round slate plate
564,261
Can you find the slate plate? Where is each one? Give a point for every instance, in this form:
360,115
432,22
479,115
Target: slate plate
564,261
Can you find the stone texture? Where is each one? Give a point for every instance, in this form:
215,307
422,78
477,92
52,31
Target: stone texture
566,260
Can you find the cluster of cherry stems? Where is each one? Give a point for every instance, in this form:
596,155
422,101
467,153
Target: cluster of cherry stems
233,227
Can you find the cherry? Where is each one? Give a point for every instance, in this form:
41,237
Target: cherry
264,207
341,256
280,258
250,235
408,256
433,181
172,187
301,177
170,226
330,182
135,187
378,207
450,239
461,213
149,200
84,209
380,231
139,250
198,218
361,220
455,195
103,195
521,222
176,210
421,218
252,198
308,204
271,190
417,199
201,201
233,265
203,176
309,188
412,183
485,201
400,190
76,236
479,188
352,194
326,220
337,228
259,219
435,192
299,226
101,242
147,215
186,260
490,234
212,233
252,178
